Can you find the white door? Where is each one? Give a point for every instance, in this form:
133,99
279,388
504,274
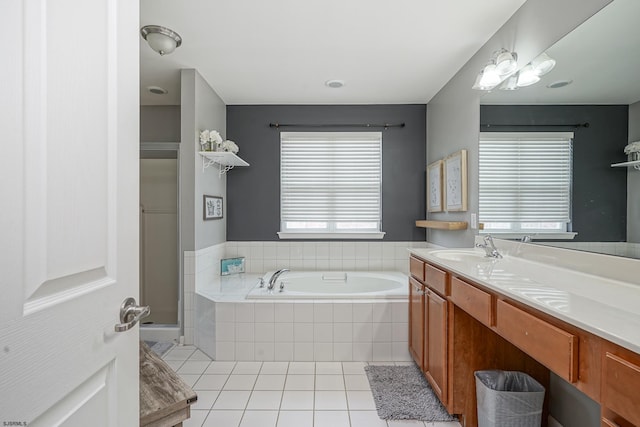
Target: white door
69,212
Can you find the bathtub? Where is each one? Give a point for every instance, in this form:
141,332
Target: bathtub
333,285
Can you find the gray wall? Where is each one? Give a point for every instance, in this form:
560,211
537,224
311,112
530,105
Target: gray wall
201,108
599,200
453,115
453,119
254,192
160,123
633,180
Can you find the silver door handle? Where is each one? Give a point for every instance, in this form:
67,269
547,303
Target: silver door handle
130,314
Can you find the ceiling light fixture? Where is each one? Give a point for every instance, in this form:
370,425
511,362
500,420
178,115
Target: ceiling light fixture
335,84
161,39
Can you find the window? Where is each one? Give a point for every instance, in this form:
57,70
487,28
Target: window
330,184
525,183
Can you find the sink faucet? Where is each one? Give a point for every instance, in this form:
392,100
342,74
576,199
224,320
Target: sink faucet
274,277
489,247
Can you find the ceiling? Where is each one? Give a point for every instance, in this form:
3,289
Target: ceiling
601,56
283,51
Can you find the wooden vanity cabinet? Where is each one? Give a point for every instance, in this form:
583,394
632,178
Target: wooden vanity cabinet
620,383
436,349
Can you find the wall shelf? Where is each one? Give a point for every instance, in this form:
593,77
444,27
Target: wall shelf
225,160
635,164
442,225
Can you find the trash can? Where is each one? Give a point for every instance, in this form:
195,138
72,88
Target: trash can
508,399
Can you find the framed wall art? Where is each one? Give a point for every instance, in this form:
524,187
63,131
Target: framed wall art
212,207
434,187
455,181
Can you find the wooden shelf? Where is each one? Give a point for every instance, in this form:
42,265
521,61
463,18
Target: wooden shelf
442,225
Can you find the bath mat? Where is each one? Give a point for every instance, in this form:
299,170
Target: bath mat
402,393
160,348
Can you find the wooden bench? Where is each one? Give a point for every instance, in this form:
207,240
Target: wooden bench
165,399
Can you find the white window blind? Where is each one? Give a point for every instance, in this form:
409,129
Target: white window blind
330,182
525,181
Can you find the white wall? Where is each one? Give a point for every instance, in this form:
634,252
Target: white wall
633,180
453,115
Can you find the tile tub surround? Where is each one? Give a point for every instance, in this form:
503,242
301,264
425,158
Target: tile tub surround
229,327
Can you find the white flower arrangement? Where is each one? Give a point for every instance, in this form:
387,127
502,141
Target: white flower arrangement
231,146
211,137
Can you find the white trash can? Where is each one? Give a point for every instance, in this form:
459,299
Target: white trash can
508,399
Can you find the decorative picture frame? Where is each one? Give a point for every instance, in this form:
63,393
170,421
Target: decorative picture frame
455,181
212,207
434,187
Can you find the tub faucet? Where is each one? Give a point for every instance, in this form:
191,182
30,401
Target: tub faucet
489,247
274,277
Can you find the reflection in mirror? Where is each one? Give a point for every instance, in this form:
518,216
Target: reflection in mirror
594,92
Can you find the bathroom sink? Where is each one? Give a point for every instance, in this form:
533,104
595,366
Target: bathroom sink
462,255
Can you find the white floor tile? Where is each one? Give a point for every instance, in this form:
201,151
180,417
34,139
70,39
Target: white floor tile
273,368
220,367
299,382
240,382
179,353
329,382
328,368
211,382
366,419
382,363
356,382
206,399
174,364
247,368
223,418
265,400
196,419
331,419
330,401
198,355
442,424
297,400
295,419
259,419
189,379
302,368
360,401
232,400
270,382
353,368
195,367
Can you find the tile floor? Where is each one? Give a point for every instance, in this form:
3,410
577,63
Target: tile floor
280,394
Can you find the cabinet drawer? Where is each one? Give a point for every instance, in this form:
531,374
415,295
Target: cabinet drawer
474,301
620,385
553,347
436,279
416,268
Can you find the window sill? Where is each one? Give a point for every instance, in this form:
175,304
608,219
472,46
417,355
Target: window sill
287,235
534,236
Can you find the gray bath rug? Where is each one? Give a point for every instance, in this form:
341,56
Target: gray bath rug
402,393
160,348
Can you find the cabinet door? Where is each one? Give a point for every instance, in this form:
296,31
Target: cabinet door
416,321
437,344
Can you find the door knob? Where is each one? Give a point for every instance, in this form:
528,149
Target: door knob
130,314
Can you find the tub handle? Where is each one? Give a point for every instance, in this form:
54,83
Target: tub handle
335,278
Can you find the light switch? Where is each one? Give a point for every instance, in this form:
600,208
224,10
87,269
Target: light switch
474,221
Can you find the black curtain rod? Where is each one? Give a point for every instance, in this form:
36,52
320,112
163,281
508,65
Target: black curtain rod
340,125
570,125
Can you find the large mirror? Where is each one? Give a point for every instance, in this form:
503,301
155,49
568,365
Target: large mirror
596,80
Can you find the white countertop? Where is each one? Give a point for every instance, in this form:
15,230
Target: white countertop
604,300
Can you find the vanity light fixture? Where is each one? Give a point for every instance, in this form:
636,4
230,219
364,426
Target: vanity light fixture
527,76
161,39
502,65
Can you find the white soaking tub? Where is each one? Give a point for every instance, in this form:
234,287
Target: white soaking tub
333,285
